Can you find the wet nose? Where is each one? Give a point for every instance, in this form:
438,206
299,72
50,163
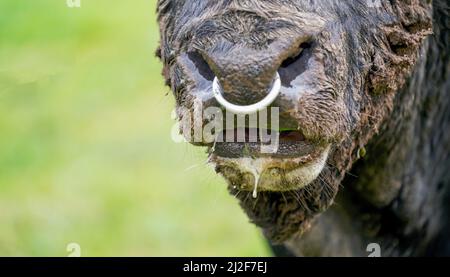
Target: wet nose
248,75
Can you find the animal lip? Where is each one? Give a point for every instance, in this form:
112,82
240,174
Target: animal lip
254,135
291,144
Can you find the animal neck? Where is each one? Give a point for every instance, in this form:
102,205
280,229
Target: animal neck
402,185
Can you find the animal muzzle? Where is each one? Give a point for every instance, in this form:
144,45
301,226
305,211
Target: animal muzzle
246,79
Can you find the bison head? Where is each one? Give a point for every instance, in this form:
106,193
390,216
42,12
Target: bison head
340,64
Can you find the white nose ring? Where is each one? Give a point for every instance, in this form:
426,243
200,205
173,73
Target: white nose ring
249,109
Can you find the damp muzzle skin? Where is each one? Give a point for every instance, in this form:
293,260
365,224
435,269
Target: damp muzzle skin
248,109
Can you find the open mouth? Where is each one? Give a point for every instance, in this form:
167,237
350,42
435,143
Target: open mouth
295,163
251,142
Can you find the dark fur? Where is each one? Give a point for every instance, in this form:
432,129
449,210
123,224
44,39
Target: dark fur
382,90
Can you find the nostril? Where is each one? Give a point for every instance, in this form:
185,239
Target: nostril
296,56
201,65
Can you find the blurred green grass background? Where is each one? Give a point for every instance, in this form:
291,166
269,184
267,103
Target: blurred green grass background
85,149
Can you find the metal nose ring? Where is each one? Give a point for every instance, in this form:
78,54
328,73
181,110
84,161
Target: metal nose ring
249,109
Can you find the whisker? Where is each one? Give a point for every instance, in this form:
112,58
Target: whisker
284,197
246,198
295,197
191,167
346,172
